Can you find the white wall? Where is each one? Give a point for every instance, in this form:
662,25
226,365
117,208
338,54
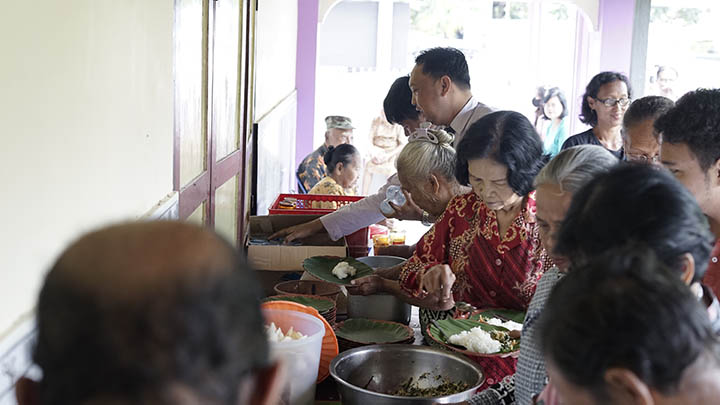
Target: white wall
276,47
85,128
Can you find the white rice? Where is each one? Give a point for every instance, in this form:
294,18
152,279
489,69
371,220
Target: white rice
509,325
343,270
476,340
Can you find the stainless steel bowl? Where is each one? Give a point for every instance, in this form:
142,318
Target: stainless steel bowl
384,368
379,262
384,307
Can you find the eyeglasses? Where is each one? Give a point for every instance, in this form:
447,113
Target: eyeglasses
610,102
641,157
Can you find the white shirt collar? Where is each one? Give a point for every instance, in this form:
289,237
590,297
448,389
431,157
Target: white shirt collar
460,121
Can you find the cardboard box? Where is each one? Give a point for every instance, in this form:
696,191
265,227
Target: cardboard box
286,257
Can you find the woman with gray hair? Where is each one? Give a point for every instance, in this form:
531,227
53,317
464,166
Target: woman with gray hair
426,170
555,185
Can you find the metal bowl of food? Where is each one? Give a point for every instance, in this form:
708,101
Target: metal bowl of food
384,307
404,374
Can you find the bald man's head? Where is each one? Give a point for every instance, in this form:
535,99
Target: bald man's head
134,311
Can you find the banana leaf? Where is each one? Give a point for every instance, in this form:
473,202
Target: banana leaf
442,330
318,303
368,331
322,266
503,314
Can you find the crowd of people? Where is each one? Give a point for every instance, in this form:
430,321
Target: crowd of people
609,243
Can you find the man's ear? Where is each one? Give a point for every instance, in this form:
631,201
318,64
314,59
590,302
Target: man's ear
445,83
688,268
268,385
624,387
27,391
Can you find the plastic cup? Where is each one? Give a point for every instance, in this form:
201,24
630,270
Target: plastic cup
301,358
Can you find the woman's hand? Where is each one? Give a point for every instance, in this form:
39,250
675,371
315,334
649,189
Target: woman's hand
299,231
438,279
437,282
367,285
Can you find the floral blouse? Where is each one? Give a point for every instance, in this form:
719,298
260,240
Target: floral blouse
328,185
491,271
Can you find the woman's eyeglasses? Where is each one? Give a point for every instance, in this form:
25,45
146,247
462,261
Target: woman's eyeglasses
610,102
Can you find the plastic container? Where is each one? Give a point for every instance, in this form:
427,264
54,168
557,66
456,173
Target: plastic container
300,357
393,195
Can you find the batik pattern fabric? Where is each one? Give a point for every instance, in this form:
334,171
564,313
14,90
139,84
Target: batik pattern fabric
312,169
530,376
491,271
328,186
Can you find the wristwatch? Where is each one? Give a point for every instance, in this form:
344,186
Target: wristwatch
426,219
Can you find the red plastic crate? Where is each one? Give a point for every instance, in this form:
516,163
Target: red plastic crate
303,205
357,242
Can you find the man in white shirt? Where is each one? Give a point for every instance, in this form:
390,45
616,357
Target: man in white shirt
440,90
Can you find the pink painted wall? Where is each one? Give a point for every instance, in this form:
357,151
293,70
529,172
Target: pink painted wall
305,76
616,27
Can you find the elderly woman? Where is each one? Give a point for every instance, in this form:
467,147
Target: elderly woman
485,248
555,186
606,98
426,170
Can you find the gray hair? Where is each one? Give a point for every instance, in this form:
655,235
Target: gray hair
422,157
573,167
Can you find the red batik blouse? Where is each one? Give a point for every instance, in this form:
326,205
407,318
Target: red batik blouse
712,275
491,271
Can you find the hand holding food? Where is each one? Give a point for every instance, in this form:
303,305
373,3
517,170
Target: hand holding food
439,280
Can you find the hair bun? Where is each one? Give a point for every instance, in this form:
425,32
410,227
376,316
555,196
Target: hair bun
443,137
327,157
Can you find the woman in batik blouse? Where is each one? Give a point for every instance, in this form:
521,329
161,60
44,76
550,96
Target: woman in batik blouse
485,249
343,169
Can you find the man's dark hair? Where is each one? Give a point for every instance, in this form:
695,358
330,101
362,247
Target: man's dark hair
695,121
398,102
343,153
645,108
508,138
634,203
439,62
555,92
624,309
203,332
587,114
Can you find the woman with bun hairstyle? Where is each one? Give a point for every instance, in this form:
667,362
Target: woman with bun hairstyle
343,170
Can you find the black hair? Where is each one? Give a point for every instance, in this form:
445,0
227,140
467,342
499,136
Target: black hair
343,153
645,108
625,310
555,92
206,335
508,138
587,115
635,203
398,105
439,62
695,121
